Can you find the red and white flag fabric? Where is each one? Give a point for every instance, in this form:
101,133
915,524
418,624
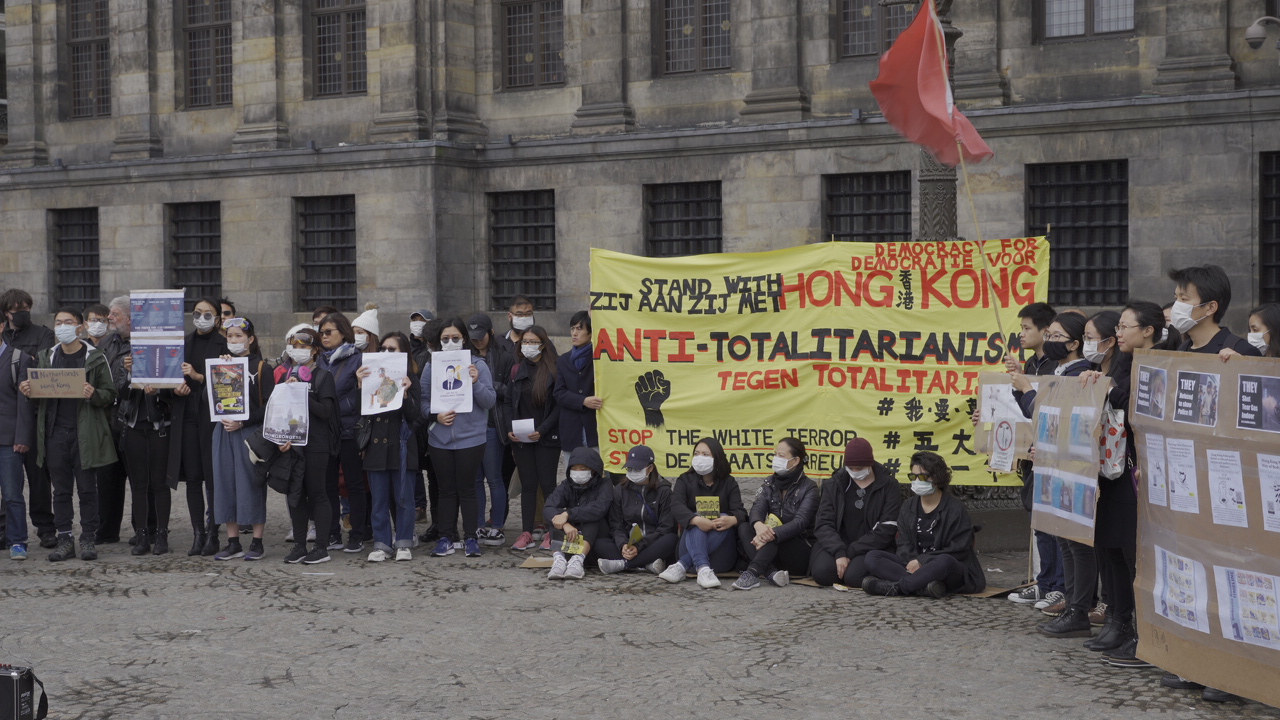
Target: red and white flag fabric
915,95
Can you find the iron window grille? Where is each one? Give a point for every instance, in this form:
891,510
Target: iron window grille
695,36
869,207
207,33
522,248
89,51
327,246
1269,237
682,219
195,250
1084,18
340,63
76,260
533,43
868,28
1088,205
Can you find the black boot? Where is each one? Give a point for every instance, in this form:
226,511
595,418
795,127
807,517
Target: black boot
161,546
1105,634
141,543
1072,623
211,541
1122,633
198,543
873,585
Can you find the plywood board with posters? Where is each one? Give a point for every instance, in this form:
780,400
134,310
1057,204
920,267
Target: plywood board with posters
1067,421
1208,440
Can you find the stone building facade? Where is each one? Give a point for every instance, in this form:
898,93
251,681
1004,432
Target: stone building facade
445,154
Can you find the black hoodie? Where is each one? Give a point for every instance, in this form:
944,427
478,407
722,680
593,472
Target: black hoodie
585,503
638,505
690,486
879,525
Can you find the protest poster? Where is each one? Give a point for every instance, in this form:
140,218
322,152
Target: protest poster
823,343
227,386
158,344
62,383
451,381
154,312
382,390
287,418
1003,431
1208,559
1068,427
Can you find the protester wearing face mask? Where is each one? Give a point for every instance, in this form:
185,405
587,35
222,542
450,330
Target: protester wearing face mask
193,430
1201,298
365,329
417,327
777,539
529,396
857,513
30,338
520,316
341,358
707,504
112,479
320,313
935,540
642,530
95,324
578,510
391,458
496,446
1264,332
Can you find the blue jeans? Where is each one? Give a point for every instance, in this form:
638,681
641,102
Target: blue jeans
697,548
383,484
1051,576
15,508
491,468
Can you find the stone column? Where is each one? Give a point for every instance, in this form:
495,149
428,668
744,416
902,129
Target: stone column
454,77
25,39
776,93
134,80
604,69
259,77
396,61
1196,57
979,82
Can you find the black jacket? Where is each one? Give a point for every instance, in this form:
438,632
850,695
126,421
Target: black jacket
636,505
795,503
31,339
1224,338
577,423
585,503
520,406
500,363
284,472
383,452
953,536
17,413
879,525
1027,400
690,486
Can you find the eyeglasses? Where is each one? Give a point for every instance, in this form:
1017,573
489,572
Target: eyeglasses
203,316
236,323
917,476
1126,328
1057,338
389,348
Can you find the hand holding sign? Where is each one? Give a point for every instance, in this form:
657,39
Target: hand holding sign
653,389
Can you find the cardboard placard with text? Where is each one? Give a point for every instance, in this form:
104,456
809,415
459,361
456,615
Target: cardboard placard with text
62,383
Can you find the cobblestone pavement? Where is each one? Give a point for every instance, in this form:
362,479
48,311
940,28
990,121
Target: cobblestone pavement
456,637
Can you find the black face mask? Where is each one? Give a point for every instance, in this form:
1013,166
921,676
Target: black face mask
21,320
1056,350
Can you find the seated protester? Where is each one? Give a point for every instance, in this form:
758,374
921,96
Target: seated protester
857,513
642,530
777,538
1201,297
578,509
935,540
706,505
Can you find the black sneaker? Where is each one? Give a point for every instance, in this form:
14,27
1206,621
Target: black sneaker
255,551
335,543
87,550
353,546
936,590
1176,682
873,585
296,555
317,556
431,534
1126,656
49,541
64,549
1072,623
231,551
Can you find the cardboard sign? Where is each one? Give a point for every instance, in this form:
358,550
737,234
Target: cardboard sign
1003,431
1068,422
62,383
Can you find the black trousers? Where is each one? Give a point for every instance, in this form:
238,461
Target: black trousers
348,458
111,491
69,479
590,532
537,465
822,568
457,476
40,494
1117,568
197,470
790,555
888,566
314,504
1080,571
147,454
664,549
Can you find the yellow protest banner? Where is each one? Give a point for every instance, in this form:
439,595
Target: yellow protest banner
822,342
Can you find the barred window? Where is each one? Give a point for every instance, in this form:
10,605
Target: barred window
695,36
869,207
868,28
522,248
533,43
682,219
1083,18
75,257
207,33
195,249
339,31
89,51
327,249
1088,205
1269,239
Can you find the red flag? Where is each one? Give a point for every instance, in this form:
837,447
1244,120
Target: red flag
915,96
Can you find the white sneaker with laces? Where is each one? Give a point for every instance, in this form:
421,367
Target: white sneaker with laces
558,567
656,567
673,574
403,554
1052,598
609,567
574,569
377,556
707,578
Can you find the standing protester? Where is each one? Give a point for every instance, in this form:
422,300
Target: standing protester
578,510
320,313
73,435
111,478
529,396
777,536
154,458
240,499
417,325
17,436
642,530
30,338
366,330
707,504
520,317
480,329
312,503
1264,332
192,428
857,513
95,324
341,358
457,443
428,491
391,459
935,540
575,389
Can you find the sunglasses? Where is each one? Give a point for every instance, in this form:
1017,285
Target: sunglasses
327,333
203,316
917,476
390,348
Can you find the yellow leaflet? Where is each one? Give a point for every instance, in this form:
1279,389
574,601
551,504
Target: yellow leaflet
577,547
708,506
773,521
636,534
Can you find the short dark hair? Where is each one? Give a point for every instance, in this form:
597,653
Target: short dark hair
1270,315
456,322
227,301
1212,285
1149,314
342,324
70,311
324,310
1072,322
1040,314
583,318
935,467
520,300
13,297
98,309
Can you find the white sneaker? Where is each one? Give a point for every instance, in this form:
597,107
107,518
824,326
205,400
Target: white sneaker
656,567
311,532
707,578
574,569
403,554
609,567
673,574
558,567
377,556
1053,598
779,578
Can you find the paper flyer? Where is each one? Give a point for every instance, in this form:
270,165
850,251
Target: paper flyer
1183,493
708,506
157,312
1157,493
1226,488
1269,475
288,417
1047,430
451,381
997,402
227,388
1003,436
1181,591
158,320
1152,386
1259,407
1083,440
1196,400
522,429
382,390
1247,607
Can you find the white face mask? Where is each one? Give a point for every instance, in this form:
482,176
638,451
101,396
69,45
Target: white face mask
204,325
97,328
65,333
1091,351
416,326
448,345
703,465
1258,340
637,476
859,474
362,341
580,477
780,464
1180,316
531,351
922,487
237,348
300,356
522,323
